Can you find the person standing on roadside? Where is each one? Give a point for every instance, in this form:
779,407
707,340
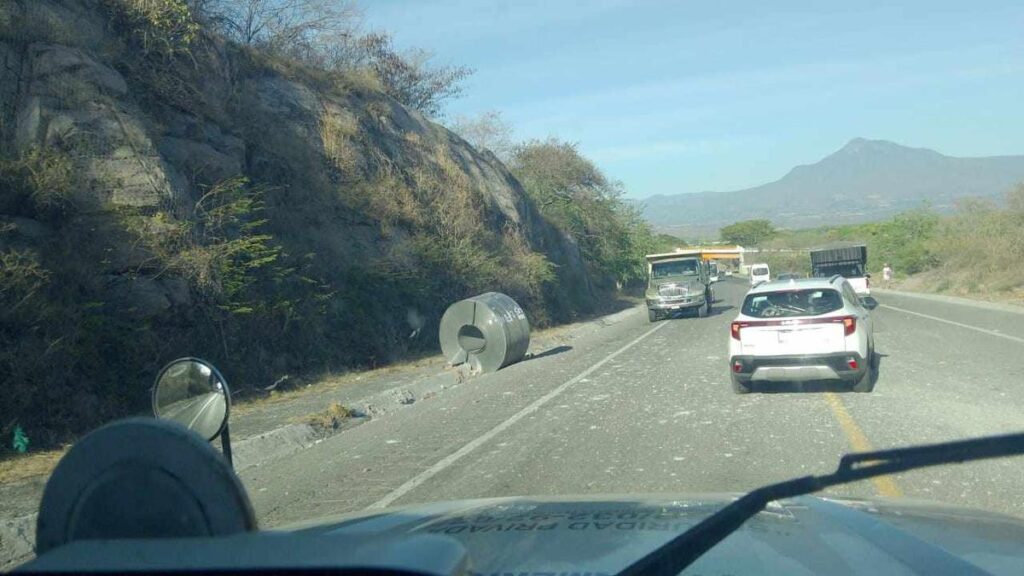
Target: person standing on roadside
887,275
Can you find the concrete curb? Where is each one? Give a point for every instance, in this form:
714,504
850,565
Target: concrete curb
279,442
984,304
17,540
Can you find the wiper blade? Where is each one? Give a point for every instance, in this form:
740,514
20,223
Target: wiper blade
684,549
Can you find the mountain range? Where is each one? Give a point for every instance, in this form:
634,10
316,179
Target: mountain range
864,180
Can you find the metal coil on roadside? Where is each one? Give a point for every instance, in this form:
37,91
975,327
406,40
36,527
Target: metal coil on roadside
488,332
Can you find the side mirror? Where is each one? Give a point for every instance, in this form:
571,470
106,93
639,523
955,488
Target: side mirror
867,275
193,393
869,302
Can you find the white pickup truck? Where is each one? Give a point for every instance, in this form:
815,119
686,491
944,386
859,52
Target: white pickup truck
848,259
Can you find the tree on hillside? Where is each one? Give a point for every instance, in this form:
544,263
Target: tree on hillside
578,198
326,34
1015,199
748,232
486,131
409,76
667,243
281,25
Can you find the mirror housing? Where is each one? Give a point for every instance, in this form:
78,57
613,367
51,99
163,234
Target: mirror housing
193,393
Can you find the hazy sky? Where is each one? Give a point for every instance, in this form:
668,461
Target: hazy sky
680,96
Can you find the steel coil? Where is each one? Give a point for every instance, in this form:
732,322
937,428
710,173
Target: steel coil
487,332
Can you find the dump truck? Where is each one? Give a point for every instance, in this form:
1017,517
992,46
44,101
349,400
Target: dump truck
848,259
678,282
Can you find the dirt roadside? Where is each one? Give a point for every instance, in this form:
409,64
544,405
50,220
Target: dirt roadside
283,422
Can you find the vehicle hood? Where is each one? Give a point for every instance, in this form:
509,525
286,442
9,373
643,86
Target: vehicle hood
806,535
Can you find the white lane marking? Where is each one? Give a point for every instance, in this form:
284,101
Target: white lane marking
490,434
960,324
200,411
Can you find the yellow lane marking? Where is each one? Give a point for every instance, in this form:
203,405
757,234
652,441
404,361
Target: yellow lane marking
885,485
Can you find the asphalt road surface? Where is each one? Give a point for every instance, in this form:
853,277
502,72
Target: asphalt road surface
203,413
639,408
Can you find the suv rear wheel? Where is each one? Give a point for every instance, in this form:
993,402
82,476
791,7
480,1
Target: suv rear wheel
866,383
739,387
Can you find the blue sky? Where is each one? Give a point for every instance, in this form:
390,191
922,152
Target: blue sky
674,97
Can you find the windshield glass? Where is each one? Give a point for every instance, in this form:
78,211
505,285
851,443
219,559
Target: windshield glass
461,250
675,268
789,303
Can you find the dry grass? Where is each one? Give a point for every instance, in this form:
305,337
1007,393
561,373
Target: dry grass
981,251
378,110
338,132
963,283
362,79
24,467
329,419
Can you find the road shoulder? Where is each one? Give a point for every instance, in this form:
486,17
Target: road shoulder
984,304
269,430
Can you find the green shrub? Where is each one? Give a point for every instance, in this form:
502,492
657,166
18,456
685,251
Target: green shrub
574,195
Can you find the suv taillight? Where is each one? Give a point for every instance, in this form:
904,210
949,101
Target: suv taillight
849,325
735,329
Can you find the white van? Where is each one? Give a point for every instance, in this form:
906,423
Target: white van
759,273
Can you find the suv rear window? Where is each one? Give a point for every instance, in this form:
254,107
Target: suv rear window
760,270
788,303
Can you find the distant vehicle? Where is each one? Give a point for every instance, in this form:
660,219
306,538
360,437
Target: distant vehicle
847,259
807,329
678,281
759,273
714,272
728,271
789,276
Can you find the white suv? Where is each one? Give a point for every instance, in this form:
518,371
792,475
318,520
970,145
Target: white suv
806,329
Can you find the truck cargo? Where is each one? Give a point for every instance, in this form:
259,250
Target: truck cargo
848,259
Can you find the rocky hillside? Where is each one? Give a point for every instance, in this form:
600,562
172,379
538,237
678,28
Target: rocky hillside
865,180
164,193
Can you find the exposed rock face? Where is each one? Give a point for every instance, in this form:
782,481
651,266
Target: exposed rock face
131,149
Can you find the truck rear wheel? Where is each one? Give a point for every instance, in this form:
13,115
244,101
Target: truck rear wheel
652,315
703,309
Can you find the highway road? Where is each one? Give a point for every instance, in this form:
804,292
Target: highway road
204,413
639,408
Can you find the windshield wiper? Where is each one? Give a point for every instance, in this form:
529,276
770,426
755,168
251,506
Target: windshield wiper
685,548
